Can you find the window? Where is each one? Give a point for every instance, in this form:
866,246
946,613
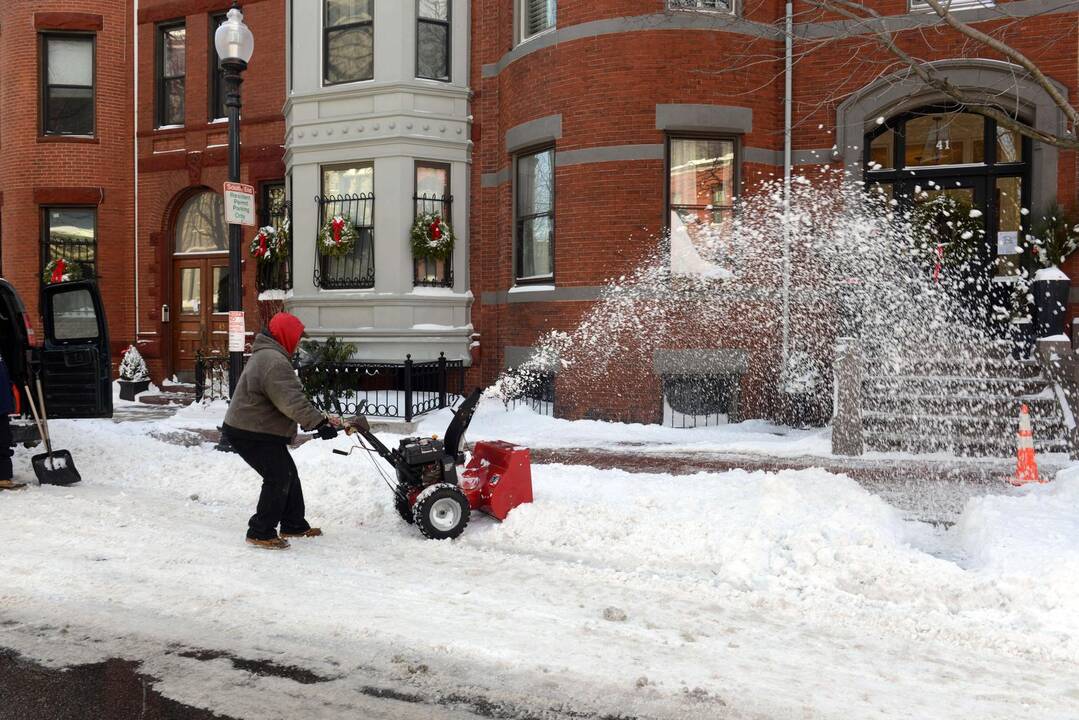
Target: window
171,71
433,196
217,75
535,216
537,16
348,43
68,84
70,234
74,316
349,191
916,5
714,5
701,181
433,39
200,226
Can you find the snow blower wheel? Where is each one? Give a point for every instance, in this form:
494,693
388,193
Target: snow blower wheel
441,512
401,504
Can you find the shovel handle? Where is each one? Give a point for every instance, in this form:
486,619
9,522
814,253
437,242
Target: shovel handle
44,415
33,410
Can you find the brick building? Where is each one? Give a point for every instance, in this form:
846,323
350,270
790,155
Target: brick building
66,147
181,297
592,119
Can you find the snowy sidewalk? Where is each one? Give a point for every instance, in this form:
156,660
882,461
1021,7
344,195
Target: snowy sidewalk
790,594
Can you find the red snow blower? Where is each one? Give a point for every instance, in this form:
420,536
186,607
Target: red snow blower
429,490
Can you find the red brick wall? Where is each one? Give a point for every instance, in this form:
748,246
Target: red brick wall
606,88
175,163
36,170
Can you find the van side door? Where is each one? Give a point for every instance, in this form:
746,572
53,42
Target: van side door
74,359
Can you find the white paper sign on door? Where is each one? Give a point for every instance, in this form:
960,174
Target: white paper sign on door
1007,242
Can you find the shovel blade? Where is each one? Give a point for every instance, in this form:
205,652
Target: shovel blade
55,469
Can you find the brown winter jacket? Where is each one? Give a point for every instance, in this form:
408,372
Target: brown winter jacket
269,399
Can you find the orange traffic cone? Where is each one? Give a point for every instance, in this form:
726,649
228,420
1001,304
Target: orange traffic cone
1026,469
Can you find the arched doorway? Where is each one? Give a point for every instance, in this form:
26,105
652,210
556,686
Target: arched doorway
200,281
943,150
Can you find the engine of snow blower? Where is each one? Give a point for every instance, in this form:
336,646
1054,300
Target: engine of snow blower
431,493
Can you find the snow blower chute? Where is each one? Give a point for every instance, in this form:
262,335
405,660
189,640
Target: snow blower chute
433,491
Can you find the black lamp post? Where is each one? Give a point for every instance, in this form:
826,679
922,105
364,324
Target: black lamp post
235,44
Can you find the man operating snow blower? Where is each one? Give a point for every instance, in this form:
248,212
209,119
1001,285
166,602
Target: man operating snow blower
260,423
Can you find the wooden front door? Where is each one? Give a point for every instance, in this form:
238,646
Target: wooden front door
200,309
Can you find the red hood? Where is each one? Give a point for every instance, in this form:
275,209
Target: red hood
286,329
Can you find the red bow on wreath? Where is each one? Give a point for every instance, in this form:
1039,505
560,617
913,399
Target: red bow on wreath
261,252
436,230
338,225
58,271
937,266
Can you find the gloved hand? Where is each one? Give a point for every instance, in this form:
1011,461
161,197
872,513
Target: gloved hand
325,430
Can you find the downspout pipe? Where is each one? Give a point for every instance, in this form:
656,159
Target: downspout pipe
135,156
788,35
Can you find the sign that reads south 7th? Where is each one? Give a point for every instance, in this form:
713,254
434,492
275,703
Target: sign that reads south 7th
239,204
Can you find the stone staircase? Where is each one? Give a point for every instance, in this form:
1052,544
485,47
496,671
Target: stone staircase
957,399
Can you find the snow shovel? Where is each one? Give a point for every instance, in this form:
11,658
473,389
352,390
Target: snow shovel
51,467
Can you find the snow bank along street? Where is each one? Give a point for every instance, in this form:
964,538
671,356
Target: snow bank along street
791,594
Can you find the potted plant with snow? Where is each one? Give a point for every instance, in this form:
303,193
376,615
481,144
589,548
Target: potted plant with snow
134,375
1054,237
800,383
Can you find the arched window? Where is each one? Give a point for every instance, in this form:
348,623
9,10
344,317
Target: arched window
200,226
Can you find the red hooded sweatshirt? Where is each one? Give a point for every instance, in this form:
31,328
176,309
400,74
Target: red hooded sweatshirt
286,329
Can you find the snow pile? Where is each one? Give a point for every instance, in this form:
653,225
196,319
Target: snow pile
750,531
1030,545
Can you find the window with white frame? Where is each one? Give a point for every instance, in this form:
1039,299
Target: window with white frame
713,5
537,16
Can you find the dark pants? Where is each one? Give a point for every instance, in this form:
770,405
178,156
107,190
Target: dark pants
5,447
281,499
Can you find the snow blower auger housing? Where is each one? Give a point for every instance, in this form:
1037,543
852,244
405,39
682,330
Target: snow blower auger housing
434,488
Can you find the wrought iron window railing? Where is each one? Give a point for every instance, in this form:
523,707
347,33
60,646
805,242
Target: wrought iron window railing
277,213
428,272
79,252
356,269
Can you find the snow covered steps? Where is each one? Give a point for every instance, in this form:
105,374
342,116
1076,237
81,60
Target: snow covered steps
959,400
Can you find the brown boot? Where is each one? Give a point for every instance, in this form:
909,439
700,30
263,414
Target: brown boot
11,485
310,532
271,544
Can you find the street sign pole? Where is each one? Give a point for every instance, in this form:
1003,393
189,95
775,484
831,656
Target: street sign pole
233,79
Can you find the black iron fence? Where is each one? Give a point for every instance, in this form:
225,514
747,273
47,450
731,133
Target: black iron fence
384,389
277,275
538,394
212,376
429,272
378,389
356,269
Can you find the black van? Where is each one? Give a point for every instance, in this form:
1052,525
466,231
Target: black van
72,361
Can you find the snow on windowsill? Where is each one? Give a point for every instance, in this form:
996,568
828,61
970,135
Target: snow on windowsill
1051,273
275,295
531,288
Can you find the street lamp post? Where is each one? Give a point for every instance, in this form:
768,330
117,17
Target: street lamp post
235,44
